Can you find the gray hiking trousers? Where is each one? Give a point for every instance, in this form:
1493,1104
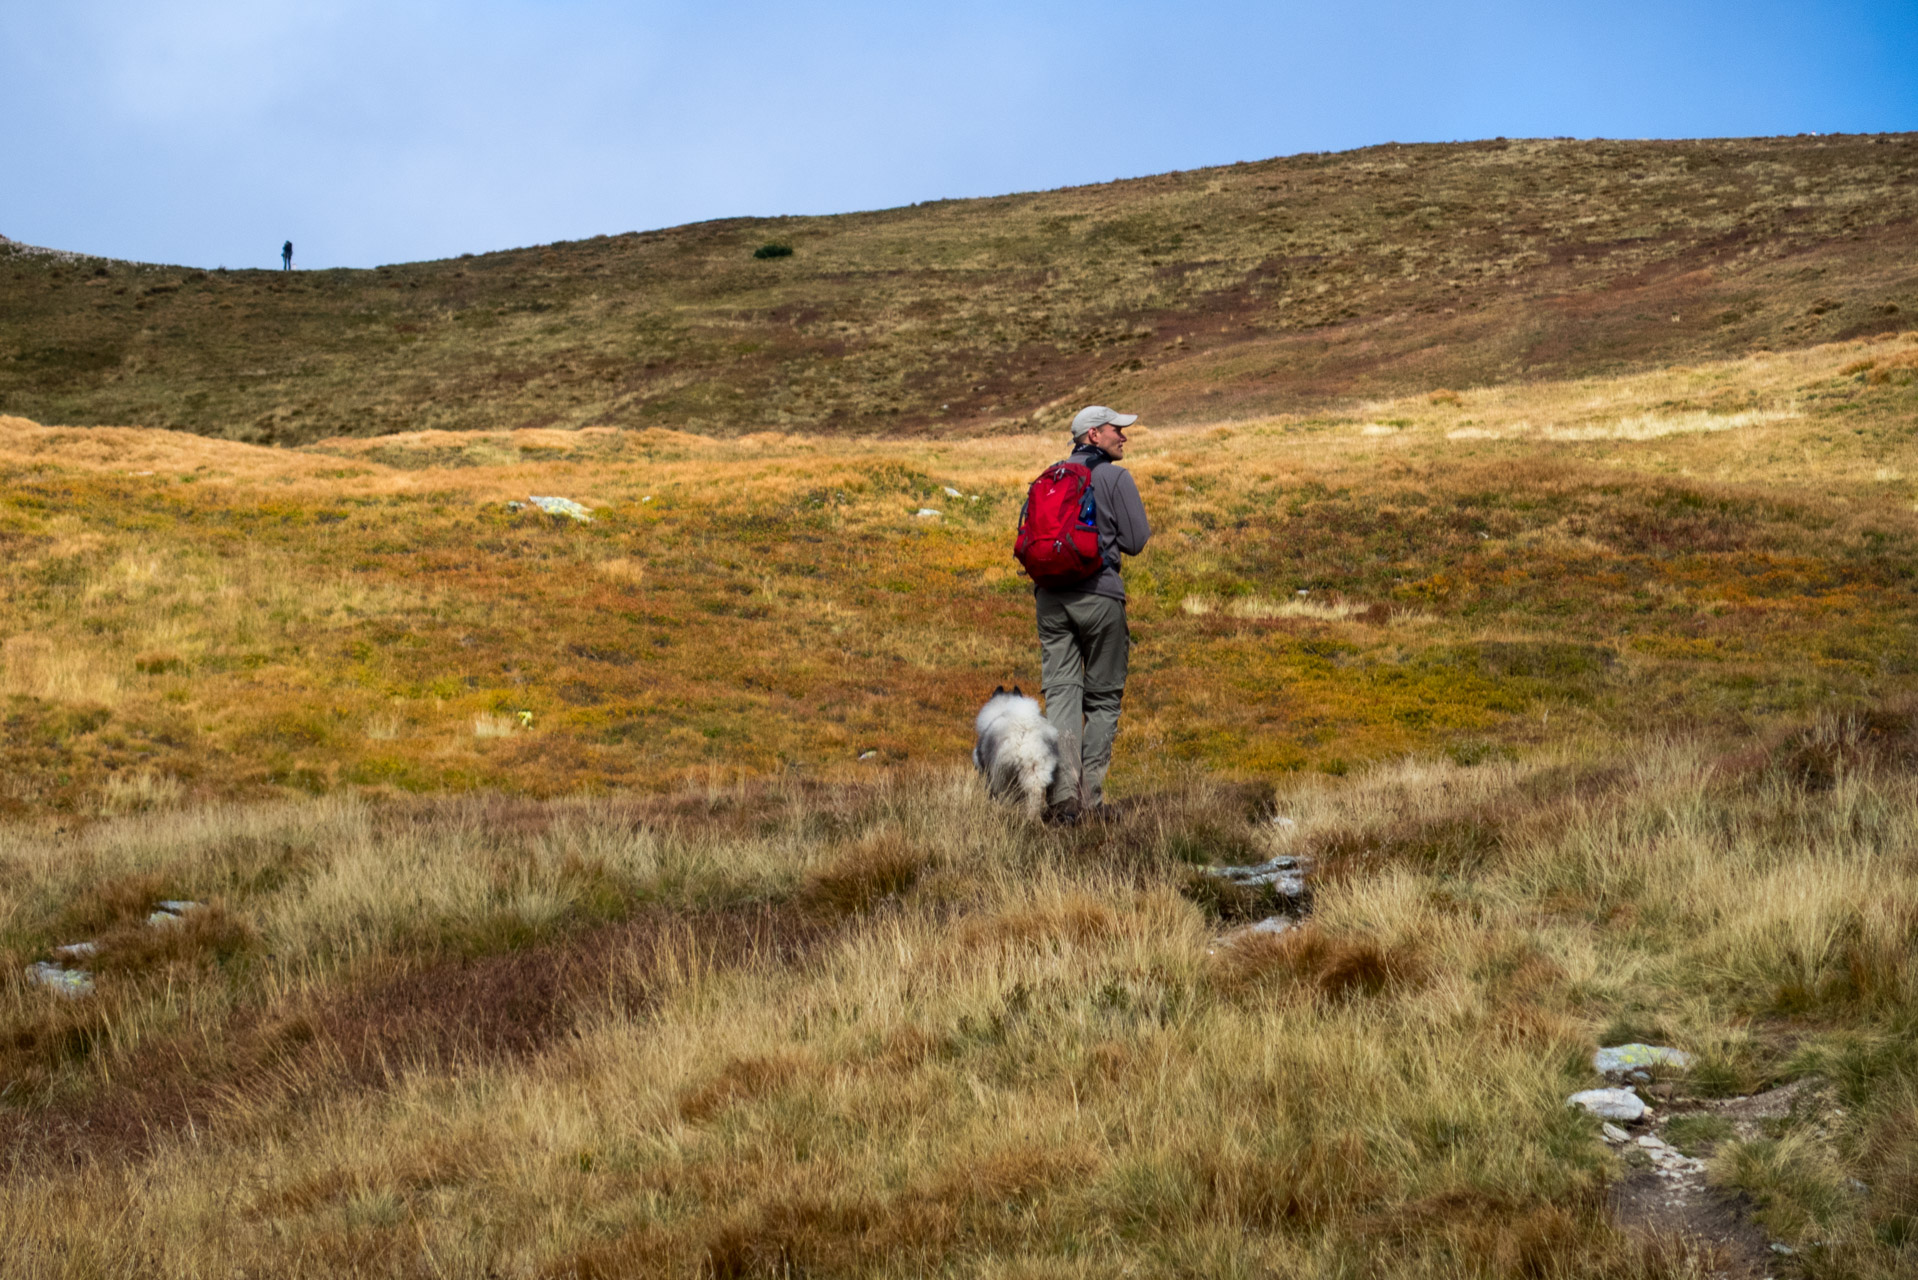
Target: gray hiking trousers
1082,659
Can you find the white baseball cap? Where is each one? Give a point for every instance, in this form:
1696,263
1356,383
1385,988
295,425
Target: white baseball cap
1097,415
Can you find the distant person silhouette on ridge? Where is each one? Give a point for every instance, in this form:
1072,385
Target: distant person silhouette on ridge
286,256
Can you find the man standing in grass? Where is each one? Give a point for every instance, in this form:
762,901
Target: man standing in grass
1083,641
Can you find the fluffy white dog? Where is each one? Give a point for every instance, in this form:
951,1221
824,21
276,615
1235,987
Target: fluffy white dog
1018,752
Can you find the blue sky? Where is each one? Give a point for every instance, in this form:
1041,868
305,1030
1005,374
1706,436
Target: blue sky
369,131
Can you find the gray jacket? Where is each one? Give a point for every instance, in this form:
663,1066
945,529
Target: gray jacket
1123,529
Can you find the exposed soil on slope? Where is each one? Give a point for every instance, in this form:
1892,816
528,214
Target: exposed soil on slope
1716,1222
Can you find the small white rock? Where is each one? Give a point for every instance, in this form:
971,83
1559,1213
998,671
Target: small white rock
1625,1059
867,755
562,507
67,982
77,950
1285,876
172,911
927,512
1613,1134
1271,925
951,492
1609,1104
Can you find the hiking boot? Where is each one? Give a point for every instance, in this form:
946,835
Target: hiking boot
1062,815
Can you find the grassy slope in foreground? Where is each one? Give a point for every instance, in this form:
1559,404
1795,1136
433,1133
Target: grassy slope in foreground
872,1025
884,1029
1729,543
1248,289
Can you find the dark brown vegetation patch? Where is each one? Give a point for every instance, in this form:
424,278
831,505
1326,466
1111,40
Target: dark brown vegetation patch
742,1079
1312,961
1456,844
1877,738
882,864
397,1019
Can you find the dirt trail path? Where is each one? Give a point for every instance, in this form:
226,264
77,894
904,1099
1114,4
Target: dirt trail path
1666,1193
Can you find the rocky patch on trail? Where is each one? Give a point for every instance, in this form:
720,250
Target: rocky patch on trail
65,974
1662,1188
1263,898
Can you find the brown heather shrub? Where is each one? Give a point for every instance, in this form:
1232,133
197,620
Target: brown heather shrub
644,1251
1309,961
1883,737
882,864
1456,844
1016,1172
206,935
47,1035
1893,368
804,1234
1445,395
113,902
745,1079
1078,918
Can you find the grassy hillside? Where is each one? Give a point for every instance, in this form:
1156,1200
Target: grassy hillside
1595,722
1733,541
1249,289
884,1030
607,899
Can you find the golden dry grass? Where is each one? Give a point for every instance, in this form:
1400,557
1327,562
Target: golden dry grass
244,620
599,951
1016,1055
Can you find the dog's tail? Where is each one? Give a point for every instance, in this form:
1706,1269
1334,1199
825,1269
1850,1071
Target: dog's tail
1035,780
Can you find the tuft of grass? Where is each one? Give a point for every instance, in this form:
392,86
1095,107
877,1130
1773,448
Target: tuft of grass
1315,962
1697,1134
882,864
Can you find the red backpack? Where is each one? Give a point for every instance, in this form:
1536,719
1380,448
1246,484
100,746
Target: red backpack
1058,540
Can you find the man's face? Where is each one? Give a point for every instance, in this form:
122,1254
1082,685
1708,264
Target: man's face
1108,437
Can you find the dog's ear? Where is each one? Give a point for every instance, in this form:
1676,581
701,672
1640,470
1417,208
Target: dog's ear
1016,693
998,689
